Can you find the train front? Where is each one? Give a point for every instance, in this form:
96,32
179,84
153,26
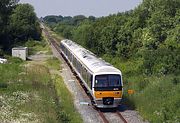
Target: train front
108,90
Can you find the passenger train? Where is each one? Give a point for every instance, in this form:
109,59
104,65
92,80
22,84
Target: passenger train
101,79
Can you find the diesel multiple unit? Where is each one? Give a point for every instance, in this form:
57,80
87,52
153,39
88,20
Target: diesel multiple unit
101,79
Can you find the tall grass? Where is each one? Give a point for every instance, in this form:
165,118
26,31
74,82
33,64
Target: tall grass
53,63
30,93
65,106
9,73
157,97
159,100
38,74
37,46
68,112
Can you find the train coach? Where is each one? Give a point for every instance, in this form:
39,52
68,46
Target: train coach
101,79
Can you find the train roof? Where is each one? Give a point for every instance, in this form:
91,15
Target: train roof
94,64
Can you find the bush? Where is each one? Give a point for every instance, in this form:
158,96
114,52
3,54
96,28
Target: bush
32,43
35,46
15,60
161,61
159,99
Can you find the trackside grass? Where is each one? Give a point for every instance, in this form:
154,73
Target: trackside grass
31,93
53,63
159,99
26,98
38,46
67,112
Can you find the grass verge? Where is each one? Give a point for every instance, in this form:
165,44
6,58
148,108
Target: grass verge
30,93
53,63
67,112
38,46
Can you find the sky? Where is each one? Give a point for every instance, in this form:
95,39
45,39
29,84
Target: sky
96,8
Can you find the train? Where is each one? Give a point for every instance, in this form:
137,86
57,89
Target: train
102,81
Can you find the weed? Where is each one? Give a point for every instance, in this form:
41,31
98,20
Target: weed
68,112
54,63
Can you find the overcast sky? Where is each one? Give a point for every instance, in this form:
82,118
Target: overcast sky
81,7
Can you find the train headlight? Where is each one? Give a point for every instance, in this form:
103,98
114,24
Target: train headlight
117,93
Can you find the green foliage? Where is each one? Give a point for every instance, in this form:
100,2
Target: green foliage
82,30
6,7
78,19
66,25
32,90
53,19
37,46
38,74
161,61
18,23
64,30
15,60
54,63
24,23
159,100
151,31
9,72
19,90
144,44
67,112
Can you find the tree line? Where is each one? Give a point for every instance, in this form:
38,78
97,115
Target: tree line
18,24
151,32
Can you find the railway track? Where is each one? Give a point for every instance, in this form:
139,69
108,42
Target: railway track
122,118
53,42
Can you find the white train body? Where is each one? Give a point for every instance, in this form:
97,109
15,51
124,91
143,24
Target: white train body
101,79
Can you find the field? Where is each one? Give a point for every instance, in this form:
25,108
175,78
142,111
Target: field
35,92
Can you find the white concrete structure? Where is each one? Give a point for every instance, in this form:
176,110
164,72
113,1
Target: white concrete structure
21,52
3,60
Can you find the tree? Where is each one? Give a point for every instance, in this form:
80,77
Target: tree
82,34
78,19
6,7
23,23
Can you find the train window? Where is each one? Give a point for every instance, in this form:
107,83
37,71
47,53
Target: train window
78,66
107,81
71,57
66,51
101,81
84,73
88,77
75,62
114,80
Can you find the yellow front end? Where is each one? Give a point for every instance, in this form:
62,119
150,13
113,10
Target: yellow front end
107,99
102,94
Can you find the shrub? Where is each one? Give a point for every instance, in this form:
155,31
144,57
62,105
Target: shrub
15,60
